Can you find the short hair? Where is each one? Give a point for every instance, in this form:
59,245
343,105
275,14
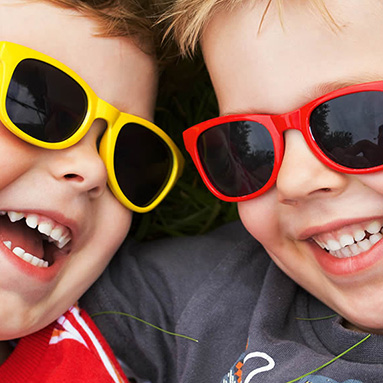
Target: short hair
186,19
117,18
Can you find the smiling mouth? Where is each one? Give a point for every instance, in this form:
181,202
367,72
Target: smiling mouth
351,241
34,238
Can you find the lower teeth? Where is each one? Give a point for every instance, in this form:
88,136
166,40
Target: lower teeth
29,258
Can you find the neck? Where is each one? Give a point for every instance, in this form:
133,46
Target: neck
5,351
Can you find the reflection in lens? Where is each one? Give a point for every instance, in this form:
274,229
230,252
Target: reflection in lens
143,163
238,157
45,102
349,129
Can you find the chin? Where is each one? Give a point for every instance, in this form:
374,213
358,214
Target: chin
373,324
363,317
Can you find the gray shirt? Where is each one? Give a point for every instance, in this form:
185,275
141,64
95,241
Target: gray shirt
251,321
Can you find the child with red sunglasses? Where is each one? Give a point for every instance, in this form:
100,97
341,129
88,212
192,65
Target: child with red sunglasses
299,298
78,86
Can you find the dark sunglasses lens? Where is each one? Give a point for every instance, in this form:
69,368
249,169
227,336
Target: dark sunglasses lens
349,129
45,102
143,164
238,157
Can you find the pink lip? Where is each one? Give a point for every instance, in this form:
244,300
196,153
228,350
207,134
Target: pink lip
342,266
44,274
350,265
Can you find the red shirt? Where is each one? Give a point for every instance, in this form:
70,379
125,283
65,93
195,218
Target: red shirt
71,349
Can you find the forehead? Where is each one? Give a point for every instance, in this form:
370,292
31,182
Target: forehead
116,69
289,62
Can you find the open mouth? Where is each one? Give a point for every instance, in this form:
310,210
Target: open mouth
34,238
351,241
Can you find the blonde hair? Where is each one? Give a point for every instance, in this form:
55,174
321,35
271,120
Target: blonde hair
186,19
126,18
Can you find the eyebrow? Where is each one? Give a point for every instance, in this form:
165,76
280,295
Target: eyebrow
327,87
240,111
321,89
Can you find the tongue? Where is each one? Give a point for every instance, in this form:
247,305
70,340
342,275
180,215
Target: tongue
21,236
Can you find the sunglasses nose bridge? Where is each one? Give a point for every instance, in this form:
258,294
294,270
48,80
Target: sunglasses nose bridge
288,121
107,112
291,120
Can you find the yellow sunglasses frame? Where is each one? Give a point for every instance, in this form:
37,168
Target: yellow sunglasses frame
12,54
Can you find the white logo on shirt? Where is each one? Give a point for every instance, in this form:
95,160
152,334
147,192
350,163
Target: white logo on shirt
259,370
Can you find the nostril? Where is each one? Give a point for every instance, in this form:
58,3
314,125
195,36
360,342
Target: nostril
72,176
94,190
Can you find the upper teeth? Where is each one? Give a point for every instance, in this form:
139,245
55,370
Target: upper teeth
352,243
55,232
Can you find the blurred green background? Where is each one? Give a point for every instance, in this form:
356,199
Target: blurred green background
185,98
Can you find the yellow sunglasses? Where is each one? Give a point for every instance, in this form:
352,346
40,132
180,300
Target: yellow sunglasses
46,104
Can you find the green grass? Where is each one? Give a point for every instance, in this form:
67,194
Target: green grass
185,98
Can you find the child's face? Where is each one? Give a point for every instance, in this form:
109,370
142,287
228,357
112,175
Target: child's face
65,189
277,71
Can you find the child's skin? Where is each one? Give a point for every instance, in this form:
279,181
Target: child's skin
277,71
67,186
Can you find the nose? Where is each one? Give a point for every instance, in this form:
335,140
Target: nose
303,176
80,166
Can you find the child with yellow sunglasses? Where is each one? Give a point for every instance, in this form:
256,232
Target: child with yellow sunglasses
78,154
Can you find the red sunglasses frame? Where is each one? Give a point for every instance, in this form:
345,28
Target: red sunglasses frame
277,124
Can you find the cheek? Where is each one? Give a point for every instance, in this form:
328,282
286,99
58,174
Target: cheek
373,181
114,222
260,218
112,225
16,156
264,221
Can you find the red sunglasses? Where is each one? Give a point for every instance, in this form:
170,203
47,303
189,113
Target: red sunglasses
239,156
